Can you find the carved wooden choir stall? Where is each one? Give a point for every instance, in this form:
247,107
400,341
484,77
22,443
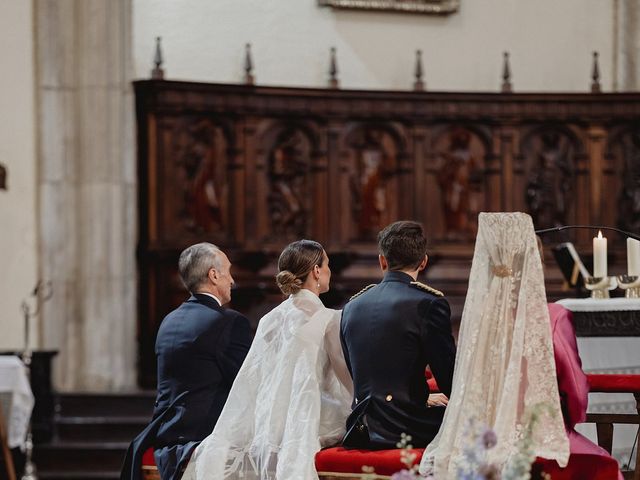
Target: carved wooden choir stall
252,168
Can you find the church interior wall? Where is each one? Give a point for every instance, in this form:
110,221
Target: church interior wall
18,237
550,43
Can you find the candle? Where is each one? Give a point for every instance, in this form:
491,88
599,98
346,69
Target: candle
633,257
599,256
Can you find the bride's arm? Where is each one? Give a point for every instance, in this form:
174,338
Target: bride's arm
334,351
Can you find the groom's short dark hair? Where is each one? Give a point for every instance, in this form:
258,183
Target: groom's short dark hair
403,245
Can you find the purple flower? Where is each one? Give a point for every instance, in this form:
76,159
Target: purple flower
403,475
489,439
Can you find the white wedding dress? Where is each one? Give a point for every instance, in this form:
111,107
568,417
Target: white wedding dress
288,400
504,365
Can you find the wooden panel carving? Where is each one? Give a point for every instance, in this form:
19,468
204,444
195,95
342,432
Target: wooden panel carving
371,168
625,188
252,168
200,173
460,176
550,167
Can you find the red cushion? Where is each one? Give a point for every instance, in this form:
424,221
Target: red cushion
387,462
147,458
614,383
341,460
581,465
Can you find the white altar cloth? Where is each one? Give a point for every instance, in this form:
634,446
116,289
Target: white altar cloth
17,399
600,305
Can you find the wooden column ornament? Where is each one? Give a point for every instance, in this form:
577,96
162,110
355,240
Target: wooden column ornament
418,85
3,177
506,74
333,70
158,72
595,75
248,66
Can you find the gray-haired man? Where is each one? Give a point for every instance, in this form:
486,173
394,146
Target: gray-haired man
200,347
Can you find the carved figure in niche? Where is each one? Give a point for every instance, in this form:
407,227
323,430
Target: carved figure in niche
368,182
288,167
549,189
629,200
460,179
198,152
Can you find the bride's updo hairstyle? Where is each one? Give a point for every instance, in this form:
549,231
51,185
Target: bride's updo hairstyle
295,263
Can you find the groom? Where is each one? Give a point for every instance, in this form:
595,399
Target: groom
390,332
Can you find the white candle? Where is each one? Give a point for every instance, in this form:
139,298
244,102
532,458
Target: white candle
633,257
599,256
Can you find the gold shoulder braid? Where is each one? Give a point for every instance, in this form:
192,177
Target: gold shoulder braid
427,288
363,290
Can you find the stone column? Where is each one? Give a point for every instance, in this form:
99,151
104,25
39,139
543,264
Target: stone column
629,45
87,190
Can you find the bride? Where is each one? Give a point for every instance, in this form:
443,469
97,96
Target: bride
293,392
505,367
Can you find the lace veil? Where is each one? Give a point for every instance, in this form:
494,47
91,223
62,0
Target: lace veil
505,366
286,401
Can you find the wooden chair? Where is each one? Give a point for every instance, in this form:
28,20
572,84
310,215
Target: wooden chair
607,383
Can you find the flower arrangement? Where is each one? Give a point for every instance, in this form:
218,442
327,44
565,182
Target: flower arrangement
474,463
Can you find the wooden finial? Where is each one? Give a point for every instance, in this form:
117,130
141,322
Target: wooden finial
506,74
333,70
418,85
3,177
157,73
595,75
248,65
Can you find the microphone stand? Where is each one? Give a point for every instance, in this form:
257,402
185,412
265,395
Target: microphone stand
30,470
635,236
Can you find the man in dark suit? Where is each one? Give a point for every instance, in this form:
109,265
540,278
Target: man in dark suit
390,332
199,348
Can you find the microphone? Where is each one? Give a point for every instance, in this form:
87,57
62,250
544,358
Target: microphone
589,227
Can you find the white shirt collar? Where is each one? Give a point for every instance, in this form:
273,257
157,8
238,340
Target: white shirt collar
212,296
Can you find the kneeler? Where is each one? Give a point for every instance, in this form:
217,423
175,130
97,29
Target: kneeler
338,463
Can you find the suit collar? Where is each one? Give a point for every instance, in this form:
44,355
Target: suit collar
205,300
394,276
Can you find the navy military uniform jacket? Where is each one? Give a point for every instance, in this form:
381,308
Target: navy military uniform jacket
199,348
389,334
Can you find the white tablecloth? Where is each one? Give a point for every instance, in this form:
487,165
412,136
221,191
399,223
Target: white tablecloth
600,305
17,399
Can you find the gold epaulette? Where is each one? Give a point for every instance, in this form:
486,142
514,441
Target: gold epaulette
427,288
363,290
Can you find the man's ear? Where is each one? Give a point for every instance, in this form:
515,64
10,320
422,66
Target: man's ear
423,263
213,275
383,263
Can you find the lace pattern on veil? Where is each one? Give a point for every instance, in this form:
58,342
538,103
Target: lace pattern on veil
504,363
285,403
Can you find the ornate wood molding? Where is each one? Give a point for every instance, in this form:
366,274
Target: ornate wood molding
434,7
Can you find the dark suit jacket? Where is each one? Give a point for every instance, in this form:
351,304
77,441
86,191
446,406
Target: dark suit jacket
389,334
199,349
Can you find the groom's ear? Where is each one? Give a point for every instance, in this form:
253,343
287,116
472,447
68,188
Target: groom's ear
383,263
423,263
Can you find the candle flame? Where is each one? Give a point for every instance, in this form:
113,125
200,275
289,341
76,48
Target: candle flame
599,233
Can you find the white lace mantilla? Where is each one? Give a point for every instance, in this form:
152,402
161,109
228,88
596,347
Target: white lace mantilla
286,402
504,364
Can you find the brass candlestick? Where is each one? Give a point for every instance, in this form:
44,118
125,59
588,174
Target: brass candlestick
630,284
600,286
